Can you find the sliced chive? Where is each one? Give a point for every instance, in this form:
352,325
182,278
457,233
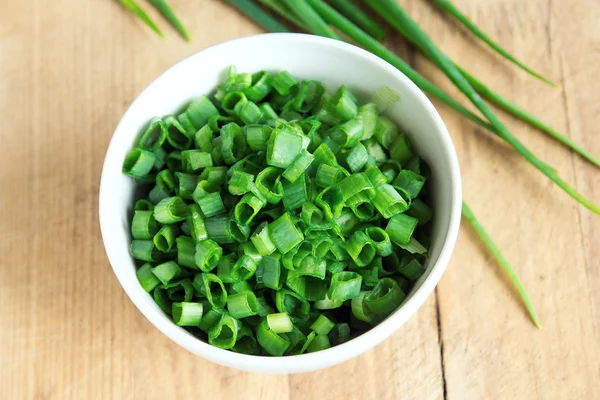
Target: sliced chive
242,305
207,255
143,225
166,272
400,228
273,343
187,313
284,234
138,163
147,279
224,333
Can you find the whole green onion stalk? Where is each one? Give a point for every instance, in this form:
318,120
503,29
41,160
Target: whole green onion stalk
392,12
167,12
463,19
139,12
504,264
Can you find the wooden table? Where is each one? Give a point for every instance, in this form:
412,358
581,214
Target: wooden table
68,71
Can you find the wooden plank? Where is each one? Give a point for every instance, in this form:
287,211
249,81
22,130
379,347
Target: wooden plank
491,350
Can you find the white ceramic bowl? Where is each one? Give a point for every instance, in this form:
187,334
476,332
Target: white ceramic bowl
334,63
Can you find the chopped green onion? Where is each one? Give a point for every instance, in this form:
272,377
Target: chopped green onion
166,272
138,163
211,204
164,240
298,166
357,158
304,183
410,181
388,201
386,132
412,269
239,287
242,305
309,279
187,313
320,342
284,234
339,334
413,246
208,254
144,250
380,239
194,160
421,211
187,185
247,208
211,286
147,279
272,273
245,343
144,225
210,319
385,297
360,309
280,323
345,285
297,193
291,303
356,189
258,136
154,136
224,333
283,148
170,210
233,143
195,223
322,325
262,241
400,228
273,343
361,249
268,184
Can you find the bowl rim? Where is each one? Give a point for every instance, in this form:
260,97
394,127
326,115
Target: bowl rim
335,354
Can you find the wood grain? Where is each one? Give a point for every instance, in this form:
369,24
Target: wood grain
69,70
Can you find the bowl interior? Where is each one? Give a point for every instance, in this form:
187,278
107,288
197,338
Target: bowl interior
308,57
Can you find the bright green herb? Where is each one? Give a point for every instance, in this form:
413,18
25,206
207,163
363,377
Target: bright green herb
252,11
270,235
463,19
356,15
167,12
504,264
136,10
